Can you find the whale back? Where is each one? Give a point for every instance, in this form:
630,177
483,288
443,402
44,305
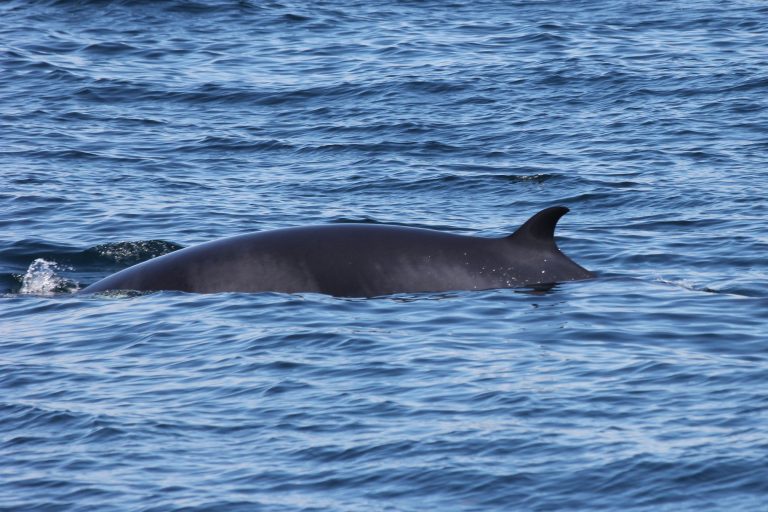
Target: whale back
358,260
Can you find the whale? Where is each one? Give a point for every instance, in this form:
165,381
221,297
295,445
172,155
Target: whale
358,260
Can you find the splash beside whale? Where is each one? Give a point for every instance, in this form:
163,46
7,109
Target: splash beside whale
358,260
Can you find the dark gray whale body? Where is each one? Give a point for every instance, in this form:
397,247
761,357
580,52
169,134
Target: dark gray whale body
358,260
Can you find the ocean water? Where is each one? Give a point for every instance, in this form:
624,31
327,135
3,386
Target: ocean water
129,129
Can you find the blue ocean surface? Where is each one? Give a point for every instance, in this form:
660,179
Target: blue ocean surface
130,129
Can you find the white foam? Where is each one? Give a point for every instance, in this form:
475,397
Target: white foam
41,279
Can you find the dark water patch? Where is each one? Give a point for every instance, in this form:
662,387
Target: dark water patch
231,144
109,48
25,250
433,87
295,18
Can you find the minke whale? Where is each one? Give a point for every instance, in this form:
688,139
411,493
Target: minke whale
358,260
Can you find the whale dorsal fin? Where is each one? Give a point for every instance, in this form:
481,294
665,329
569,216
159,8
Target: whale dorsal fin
539,230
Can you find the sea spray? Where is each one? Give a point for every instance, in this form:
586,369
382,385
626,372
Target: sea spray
41,279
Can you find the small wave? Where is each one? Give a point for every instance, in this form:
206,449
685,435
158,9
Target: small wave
294,18
434,86
732,289
120,253
109,48
43,275
231,144
131,252
41,278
